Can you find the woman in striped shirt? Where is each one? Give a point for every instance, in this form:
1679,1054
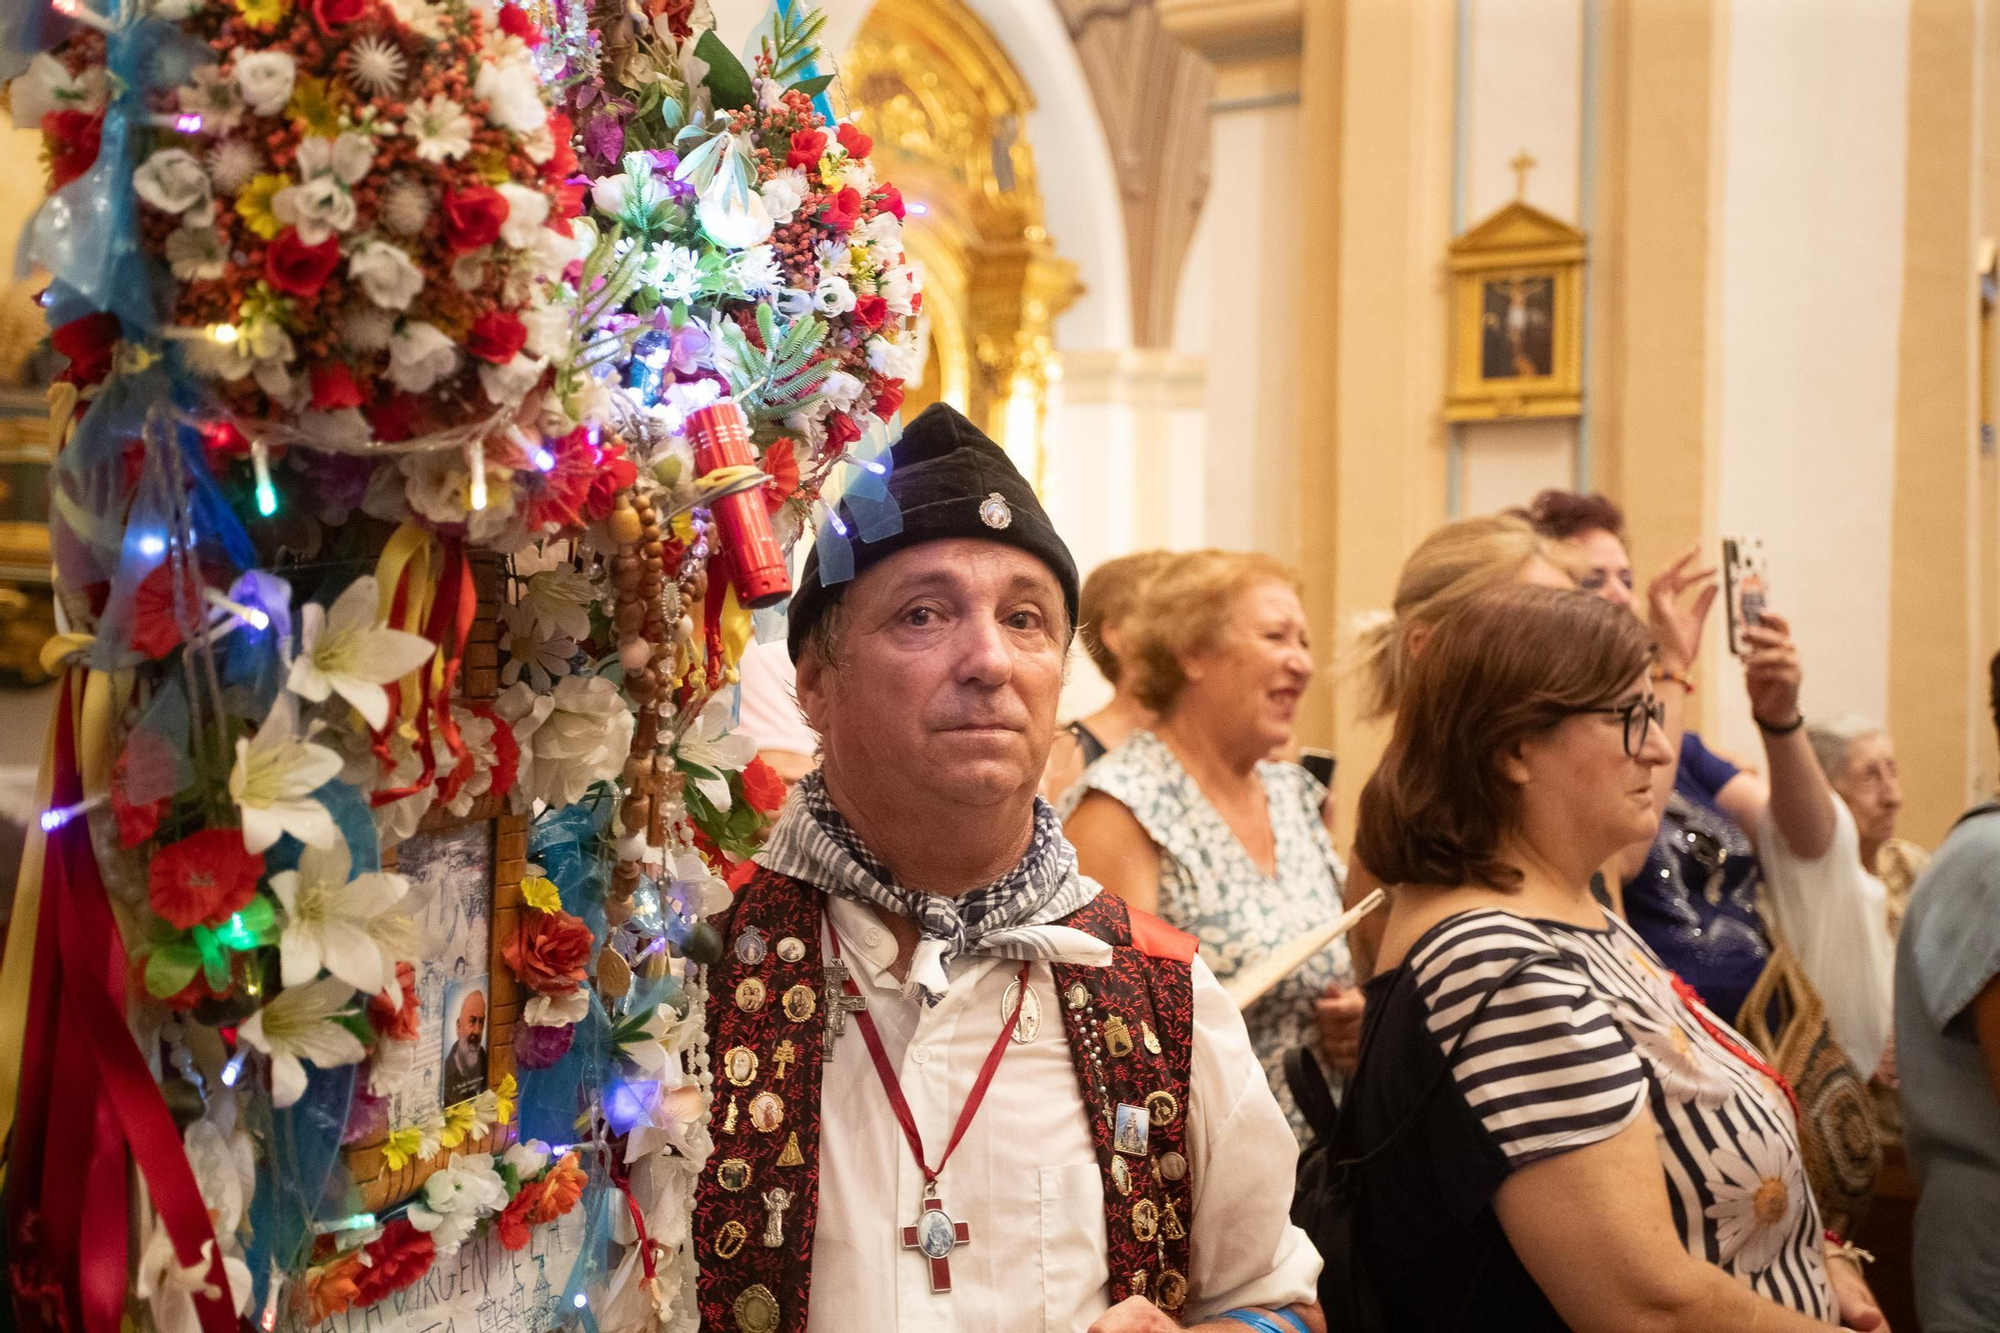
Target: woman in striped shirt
1555,1133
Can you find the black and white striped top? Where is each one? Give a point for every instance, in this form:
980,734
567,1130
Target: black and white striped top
1573,1046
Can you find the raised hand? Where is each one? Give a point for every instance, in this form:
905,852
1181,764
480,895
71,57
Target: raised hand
1677,619
1771,671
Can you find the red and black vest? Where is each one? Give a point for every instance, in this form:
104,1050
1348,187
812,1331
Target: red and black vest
1131,1036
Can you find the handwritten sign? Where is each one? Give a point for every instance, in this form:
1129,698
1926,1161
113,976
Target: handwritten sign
484,1288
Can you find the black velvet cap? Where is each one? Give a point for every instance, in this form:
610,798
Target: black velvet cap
950,481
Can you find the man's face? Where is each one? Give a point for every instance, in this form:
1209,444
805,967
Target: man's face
949,669
472,1018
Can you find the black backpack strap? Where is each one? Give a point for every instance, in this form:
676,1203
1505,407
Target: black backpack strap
1310,1091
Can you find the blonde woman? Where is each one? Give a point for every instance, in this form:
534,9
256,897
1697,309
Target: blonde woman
1191,820
1109,596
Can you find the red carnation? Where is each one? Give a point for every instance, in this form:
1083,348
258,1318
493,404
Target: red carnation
762,787
565,202
472,217
564,161
397,1022
843,210
332,14
888,399
203,878
496,336
72,139
808,146
512,1224
156,612
872,311
889,199
781,462
857,144
398,1259
333,387
514,21
549,952
88,343
506,752
615,472
298,269
841,430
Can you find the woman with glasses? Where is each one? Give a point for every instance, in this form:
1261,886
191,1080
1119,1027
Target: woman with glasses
1537,1098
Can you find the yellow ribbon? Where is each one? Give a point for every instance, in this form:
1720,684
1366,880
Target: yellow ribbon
414,550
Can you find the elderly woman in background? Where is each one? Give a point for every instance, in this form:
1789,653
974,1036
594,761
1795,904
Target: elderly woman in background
1859,760
1189,819
1548,1133
1109,596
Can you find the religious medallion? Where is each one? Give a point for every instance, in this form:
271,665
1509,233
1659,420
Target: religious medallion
791,1156
1170,1224
750,995
730,1239
791,948
800,1002
1139,1283
1121,1174
782,1059
733,1174
776,1200
1162,1108
750,947
739,1065
995,512
767,1112
1173,1166
1145,1220
756,1309
1076,996
1117,1037
729,1120
1148,1039
1173,1289
935,1236
1130,1129
1030,1022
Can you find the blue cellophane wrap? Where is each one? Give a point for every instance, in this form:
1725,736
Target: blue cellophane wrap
300,1175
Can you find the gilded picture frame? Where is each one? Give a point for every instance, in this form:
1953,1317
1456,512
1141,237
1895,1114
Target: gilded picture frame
1516,318
27,594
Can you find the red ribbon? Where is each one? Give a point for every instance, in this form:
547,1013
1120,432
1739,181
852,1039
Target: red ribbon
79,1125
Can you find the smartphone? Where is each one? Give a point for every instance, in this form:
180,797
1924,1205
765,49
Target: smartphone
1319,763
1746,587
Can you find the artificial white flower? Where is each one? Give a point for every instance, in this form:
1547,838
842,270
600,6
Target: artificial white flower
468,272
439,487
322,202
674,273
883,236
543,661
232,163
173,11
348,650
735,221
709,744
364,328
834,257
456,1198
265,79
513,94
555,602
420,355
755,272
1759,1196
345,926
842,390
509,383
212,95
346,429
834,296
889,358
169,1287
419,16
629,193
549,329
273,779
645,1052
898,286
173,181
783,194
398,820
441,128
700,886
529,1159
376,66
574,736
385,273
195,254
390,1065
557,1011
298,1025
281,386
406,206
49,86
527,210
223,1157
476,731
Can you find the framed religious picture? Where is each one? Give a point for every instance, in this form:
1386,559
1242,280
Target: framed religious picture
1517,318
27,597
465,868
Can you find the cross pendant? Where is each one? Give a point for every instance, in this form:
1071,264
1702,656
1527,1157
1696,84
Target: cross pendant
839,1004
935,1235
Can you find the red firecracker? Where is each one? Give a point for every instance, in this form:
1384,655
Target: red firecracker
750,550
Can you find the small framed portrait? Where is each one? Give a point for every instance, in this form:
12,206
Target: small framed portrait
1517,318
1130,1130
464,1035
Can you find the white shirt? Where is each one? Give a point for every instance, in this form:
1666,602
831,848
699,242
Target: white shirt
1025,1177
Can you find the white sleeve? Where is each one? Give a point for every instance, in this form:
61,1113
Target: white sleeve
1243,1158
1834,915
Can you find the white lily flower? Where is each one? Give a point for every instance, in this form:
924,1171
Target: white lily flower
169,1286
711,745
298,1025
343,925
708,892
274,778
350,652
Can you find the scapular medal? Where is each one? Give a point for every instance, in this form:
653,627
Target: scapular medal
935,1235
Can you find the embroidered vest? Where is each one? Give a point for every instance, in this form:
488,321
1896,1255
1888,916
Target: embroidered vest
1131,1036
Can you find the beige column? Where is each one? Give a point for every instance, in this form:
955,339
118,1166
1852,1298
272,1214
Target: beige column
1938,642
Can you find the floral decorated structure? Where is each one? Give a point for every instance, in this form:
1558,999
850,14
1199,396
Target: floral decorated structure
404,340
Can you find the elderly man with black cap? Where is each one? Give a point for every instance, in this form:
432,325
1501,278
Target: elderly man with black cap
957,1087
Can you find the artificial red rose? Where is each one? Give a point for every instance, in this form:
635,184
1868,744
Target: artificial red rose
781,463
333,387
561,1188
888,399
841,430
156,621
397,1022
396,1260
496,336
857,144
566,202
72,138
872,311
843,210
395,417
741,873
472,217
511,1226
298,269
889,199
89,343
808,146
331,14
564,162
549,952
204,878
762,787
615,472
514,21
